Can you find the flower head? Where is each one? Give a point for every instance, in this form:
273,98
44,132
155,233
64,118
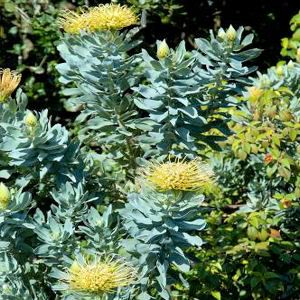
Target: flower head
100,276
268,158
102,17
179,175
73,22
279,70
9,80
286,203
290,64
4,196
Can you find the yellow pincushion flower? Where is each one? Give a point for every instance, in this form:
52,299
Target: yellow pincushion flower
102,17
73,22
9,80
100,276
179,175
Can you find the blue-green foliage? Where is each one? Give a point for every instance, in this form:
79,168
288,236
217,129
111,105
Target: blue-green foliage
14,232
34,159
38,227
135,106
103,74
101,231
283,75
161,226
185,91
36,152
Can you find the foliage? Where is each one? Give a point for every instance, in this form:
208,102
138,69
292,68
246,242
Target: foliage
291,46
251,252
103,74
160,226
184,92
125,205
28,34
112,94
247,256
165,9
264,150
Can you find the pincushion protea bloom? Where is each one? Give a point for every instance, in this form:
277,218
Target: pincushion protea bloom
102,17
179,175
9,80
73,22
100,276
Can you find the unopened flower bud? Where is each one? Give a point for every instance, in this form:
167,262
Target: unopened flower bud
279,71
221,34
163,49
231,33
4,196
290,64
265,81
30,119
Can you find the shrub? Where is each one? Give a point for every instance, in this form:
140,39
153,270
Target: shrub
126,205
251,252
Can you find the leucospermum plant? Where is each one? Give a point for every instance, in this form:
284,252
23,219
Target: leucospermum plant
69,227
162,220
102,73
134,106
185,93
43,202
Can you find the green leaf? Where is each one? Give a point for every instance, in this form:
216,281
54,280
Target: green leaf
216,295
